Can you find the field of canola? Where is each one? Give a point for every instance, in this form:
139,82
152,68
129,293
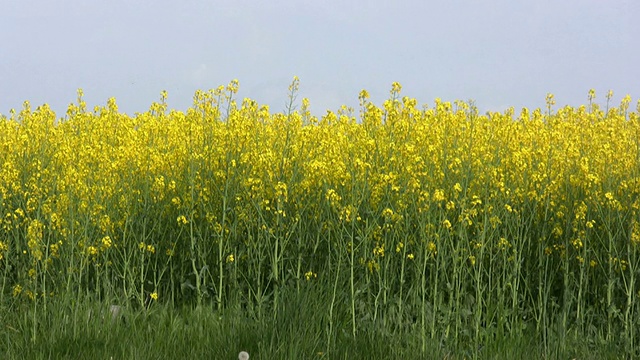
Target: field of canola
460,224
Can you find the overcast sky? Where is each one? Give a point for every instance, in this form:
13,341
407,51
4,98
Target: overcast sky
499,53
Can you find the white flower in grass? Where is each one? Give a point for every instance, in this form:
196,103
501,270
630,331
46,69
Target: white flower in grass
116,311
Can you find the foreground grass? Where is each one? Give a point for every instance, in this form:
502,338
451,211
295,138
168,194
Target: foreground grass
81,327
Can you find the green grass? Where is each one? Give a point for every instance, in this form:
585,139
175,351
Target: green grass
303,327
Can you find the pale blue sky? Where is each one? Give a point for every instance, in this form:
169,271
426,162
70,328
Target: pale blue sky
499,53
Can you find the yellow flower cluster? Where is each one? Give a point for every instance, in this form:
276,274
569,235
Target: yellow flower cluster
3,248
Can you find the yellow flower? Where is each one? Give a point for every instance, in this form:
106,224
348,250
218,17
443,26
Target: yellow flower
17,290
635,234
154,295
54,249
503,243
3,248
309,275
92,250
431,248
372,265
106,242
577,243
395,87
438,195
364,95
230,258
34,236
387,213
451,205
379,250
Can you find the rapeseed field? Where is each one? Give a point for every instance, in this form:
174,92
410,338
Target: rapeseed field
432,223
